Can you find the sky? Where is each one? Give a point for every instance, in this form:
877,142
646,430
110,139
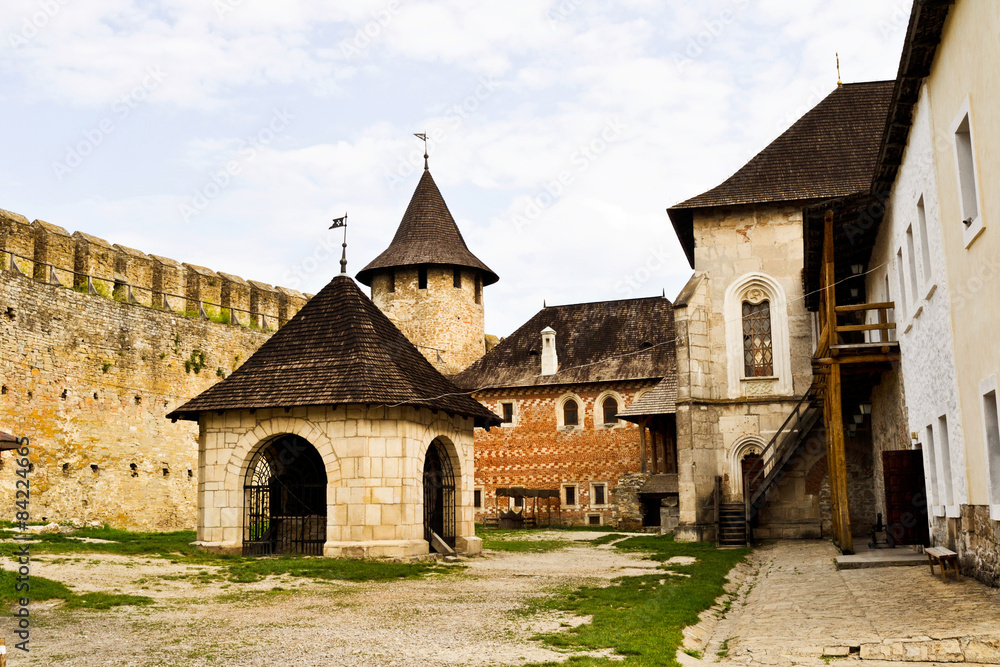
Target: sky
228,133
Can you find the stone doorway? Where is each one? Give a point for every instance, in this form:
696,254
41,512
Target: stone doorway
285,499
439,495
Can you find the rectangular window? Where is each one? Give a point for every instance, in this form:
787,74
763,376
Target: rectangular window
912,265
422,277
392,281
508,412
757,353
966,172
594,519
901,306
932,473
599,495
570,495
992,428
925,242
457,277
947,488
479,288
890,314
477,498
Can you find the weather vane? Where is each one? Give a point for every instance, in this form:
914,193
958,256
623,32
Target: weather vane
423,136
342,222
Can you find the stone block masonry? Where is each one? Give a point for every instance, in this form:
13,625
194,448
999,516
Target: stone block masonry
98,342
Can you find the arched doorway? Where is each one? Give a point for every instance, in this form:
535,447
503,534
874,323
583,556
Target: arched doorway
285,499
439,494
752,467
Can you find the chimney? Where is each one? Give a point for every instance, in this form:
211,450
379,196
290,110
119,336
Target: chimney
550,362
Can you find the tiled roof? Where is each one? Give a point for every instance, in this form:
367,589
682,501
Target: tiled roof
426,235
829,152
595,342
340,348
660,401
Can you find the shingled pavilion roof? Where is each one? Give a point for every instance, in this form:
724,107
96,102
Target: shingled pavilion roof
340,348
662,400
427,235
603,341
829,152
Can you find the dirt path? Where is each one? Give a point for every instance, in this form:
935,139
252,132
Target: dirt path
467,618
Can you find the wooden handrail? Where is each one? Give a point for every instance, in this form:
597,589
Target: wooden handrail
877,326
854,307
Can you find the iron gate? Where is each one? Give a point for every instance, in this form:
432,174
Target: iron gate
285,499
439,494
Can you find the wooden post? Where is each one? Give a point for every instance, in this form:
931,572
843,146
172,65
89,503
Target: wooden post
836,458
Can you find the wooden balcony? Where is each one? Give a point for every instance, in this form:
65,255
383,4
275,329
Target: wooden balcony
854,343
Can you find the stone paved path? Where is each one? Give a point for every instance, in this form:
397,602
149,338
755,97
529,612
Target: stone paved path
795,607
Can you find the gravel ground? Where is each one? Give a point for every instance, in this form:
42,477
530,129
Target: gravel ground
466,618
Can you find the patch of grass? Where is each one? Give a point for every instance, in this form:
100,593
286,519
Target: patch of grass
642,617
176,547
606,539
47,589
723,649
520,541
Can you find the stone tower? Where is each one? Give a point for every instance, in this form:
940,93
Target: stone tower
430,285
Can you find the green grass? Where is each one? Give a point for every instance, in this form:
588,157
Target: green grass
176,547
47,589
642,617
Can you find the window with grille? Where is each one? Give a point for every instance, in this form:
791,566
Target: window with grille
570,493
571,416
758,359
599,495
508,412
610,407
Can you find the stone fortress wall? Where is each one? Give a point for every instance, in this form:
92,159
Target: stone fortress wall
98,342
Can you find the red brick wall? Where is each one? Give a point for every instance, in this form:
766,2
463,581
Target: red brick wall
534,452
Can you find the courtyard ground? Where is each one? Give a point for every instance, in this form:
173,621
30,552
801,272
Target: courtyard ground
787,605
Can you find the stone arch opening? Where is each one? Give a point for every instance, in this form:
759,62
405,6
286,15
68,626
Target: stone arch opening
440,495
746,462
285,499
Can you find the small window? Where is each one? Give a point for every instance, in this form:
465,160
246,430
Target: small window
518,501
422,277
479,288
991,424
925,242
392,281
901,306
477,498
966,172
508,412
912,264
456,279
610,407
599,495
571,415
594,519
758,360
569,492
945,447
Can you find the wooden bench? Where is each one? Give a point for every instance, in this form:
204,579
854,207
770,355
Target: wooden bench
943,557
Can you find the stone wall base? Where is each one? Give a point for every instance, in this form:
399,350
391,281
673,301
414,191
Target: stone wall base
376,549
470,546
785,530
977,544
695,532
227,548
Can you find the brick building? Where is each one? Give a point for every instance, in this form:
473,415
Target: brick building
560,382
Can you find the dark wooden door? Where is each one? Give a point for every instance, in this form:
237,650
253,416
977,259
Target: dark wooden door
752,465
905,497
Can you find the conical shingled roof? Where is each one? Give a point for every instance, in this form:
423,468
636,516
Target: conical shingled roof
427,235
340,348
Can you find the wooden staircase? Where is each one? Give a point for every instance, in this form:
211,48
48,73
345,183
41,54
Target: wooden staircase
732,527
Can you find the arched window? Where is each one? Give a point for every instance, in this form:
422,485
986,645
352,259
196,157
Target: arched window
758,359
610,407
571,414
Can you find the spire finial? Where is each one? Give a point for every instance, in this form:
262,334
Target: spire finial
423,136
342,222
839,82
